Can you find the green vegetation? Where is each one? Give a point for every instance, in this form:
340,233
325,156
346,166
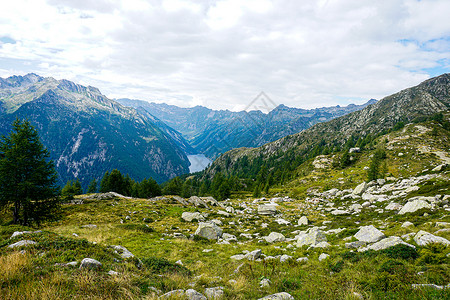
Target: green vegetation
27,178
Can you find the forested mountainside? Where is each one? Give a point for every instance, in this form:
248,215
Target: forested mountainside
88,134
214,132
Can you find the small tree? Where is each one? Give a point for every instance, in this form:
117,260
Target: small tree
92,188
27,178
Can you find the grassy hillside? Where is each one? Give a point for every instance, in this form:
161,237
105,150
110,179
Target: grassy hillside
152,229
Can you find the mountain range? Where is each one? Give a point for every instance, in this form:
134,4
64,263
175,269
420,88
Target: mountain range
213,132
88,134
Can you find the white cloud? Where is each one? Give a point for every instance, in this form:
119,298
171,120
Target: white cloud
223,53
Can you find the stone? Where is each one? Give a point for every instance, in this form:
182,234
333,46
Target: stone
423,238
229,237
360,189
238,257
338,212
197,202
323,256
355,207
22,243
91,226
223,213
113,273
265,282
282,222
267,209
285,257
407,224
173,294
387,243
355,245
413,206
90,263
439,168
278,296
191,216
254,255
209,230
214,292
366,204
393,206
303,221
274,237
194,295
302,259
122,251
354,150
369,234
314,237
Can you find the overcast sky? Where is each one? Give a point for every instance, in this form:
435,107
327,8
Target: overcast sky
222,54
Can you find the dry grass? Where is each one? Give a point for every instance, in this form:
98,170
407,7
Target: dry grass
13,265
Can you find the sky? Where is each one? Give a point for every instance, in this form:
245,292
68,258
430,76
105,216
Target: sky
230,54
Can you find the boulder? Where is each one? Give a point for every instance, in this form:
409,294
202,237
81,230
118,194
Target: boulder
386,243
214,293
303,221
407,224
90,263
191,216
267,209
323,256
194,295
274,237
177,294
254,255
282,221
313,237
369,234
229,237
209,230
338,212
422,238
278,296
196,201
414,205
122,251
360,189
393,206
22,243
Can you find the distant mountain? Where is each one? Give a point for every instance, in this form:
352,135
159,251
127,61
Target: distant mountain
88,134
213,132
416,103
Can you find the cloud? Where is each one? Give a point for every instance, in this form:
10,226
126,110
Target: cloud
222,54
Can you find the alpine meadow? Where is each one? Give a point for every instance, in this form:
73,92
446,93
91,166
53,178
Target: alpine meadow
231,149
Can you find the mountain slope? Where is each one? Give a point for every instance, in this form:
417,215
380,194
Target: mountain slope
428,98
87,133
214,132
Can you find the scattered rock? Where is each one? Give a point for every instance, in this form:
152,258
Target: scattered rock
209,230
267,209
275,237
265,282
191,216
323,256
194,295
122,251
422,238
278,296
407,224
369,234
355,245
22,243
214,292
303,221
386,243
90,263
91,226
360,189
314,237
413,206
175,294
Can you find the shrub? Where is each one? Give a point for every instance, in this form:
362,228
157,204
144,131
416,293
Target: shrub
162,265
401,251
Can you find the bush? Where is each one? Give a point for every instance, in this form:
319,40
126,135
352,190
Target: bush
401,251
162,265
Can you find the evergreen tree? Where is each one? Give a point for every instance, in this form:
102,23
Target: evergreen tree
104,184
27,178
92,188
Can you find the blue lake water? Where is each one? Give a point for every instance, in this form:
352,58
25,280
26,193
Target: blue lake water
198,162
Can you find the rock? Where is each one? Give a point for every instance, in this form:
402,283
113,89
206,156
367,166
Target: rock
265,282
285,257
355,207
122,251
113,273
360,189
407,224
254,255
429,285
303,221
194,295
354,150
217,222
355,245
393,206
179,235
278,296
267,209
72,264
369,234
196,201
274,237
177,294
366,204
238,257
22,243
90,263
223,213
422,238
381,181
386,243
321,245
191,216
214,292
302,259
229,237
209,230
282,222
413,206
91,226
314,237
323,256
439,168
338,212
17,233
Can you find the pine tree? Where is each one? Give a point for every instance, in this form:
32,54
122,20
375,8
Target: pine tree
92,188
27,178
